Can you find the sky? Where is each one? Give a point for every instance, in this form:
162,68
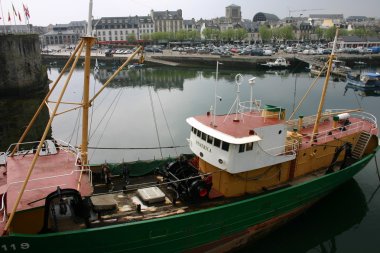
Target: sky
45,12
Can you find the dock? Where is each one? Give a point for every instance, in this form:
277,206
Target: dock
319,62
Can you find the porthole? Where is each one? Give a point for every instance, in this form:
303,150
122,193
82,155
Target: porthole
200,154
220,161
279,132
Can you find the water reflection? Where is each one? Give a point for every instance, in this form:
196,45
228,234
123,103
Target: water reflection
15,115
329,218
363,92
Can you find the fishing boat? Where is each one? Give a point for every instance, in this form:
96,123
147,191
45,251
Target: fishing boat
364,80
250,172
279,63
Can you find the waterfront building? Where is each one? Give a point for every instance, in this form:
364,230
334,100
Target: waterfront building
120,30
12,29
268,18
167,21
190,25
356,41
64,33
327,20
233,14
146,27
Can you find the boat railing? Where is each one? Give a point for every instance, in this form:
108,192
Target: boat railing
359,114
2,207
327,115
23,148
52,177
247,107
288,149
345,130
67,146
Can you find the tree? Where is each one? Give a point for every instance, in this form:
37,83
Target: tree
319,32
287,33
181,35
330,33
207,33
265,33
241,34
131,38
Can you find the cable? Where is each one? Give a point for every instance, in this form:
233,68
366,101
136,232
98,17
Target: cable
166,121
155,120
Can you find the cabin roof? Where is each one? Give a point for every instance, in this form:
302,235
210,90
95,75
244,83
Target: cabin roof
228,130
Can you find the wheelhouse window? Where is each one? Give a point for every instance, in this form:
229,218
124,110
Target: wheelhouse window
217,142
241,148
204,136
199,133
249,146
225,146
209,139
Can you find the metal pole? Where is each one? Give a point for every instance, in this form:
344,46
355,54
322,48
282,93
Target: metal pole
325,85
86,97
216,83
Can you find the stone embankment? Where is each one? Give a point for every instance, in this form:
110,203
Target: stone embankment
235,61
21,69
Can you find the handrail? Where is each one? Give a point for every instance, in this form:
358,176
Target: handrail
50,177
294,147
3,207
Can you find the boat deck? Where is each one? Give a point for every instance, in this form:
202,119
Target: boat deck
50,172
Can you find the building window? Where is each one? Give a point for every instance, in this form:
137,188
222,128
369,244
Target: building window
109,33
115,32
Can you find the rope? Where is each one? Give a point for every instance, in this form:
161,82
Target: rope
117,99
377,168
105,114
155,120
167,125
307,92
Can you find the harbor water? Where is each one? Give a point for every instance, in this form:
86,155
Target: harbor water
142,115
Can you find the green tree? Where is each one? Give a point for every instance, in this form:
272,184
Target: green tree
241,34
265,33
330,33
287,33
131,38
207,33
319,32
181,35
146,36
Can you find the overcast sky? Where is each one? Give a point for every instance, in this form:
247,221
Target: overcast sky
45,12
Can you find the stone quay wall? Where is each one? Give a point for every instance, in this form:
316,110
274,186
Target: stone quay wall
21,70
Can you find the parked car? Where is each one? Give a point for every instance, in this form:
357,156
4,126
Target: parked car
267,52
257,52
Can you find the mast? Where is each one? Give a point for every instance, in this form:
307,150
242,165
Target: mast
324,90
89,40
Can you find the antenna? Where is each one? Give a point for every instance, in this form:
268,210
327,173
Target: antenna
251,83
238,80
215,96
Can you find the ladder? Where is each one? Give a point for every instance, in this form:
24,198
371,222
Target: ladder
361,144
